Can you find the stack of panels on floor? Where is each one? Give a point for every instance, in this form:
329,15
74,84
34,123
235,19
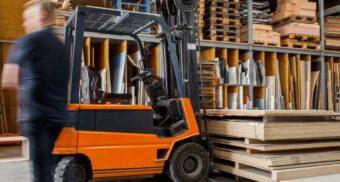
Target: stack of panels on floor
275,145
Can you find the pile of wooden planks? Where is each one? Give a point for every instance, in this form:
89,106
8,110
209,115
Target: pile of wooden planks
199,18
262,35
332,32
275,145
332,76
297,24
61,14
208,85
287,8
304,89
221,20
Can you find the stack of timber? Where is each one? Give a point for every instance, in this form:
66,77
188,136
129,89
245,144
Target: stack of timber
222,20
296,21
209,71
287,8
275,145
304,88
332,32
336,72
199,18
63,11
262,35
332,77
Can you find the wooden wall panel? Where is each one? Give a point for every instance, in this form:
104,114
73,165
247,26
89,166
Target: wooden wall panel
11,19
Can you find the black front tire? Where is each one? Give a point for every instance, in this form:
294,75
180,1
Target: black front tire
190,162
70,169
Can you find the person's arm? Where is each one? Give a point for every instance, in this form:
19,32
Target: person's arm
20,51
10,76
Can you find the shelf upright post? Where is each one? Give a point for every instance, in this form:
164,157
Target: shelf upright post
322,56
250,52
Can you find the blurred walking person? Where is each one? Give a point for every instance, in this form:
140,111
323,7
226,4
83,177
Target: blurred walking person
38,66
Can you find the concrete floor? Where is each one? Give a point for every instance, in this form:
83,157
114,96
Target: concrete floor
19,172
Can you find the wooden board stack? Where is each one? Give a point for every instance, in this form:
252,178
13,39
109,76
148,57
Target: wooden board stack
208,70
199,18
275,145
222,20
262,35
332,67
332,32
62,13
287,8
296,21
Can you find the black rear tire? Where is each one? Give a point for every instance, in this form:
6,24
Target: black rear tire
190,162
70,169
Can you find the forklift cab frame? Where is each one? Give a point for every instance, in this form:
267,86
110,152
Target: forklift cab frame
115,140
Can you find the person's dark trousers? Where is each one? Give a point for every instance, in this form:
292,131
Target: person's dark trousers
42,136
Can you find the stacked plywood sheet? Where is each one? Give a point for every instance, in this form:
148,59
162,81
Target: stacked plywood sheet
275,145
262,35
332,32
287,8
222,20
297,23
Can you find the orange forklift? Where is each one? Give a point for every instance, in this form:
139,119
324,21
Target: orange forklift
119,140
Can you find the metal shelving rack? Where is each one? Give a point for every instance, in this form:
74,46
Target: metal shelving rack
250,47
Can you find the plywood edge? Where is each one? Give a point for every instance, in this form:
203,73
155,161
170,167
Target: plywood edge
257,176
306,172
260,113
270,146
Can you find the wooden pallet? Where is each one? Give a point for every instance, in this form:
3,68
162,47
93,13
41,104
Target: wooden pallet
227,21
266,43
232,11
221,1
302,37
232,16
214,14
214,21
231,39
215,3
292,43
233,5
295,18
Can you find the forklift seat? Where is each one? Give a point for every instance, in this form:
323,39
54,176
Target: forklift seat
91,89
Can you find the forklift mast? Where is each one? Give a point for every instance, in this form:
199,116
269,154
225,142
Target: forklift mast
180,15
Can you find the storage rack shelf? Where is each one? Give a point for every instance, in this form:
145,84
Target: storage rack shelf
250,48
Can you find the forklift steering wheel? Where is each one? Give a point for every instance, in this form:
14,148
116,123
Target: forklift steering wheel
142,76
